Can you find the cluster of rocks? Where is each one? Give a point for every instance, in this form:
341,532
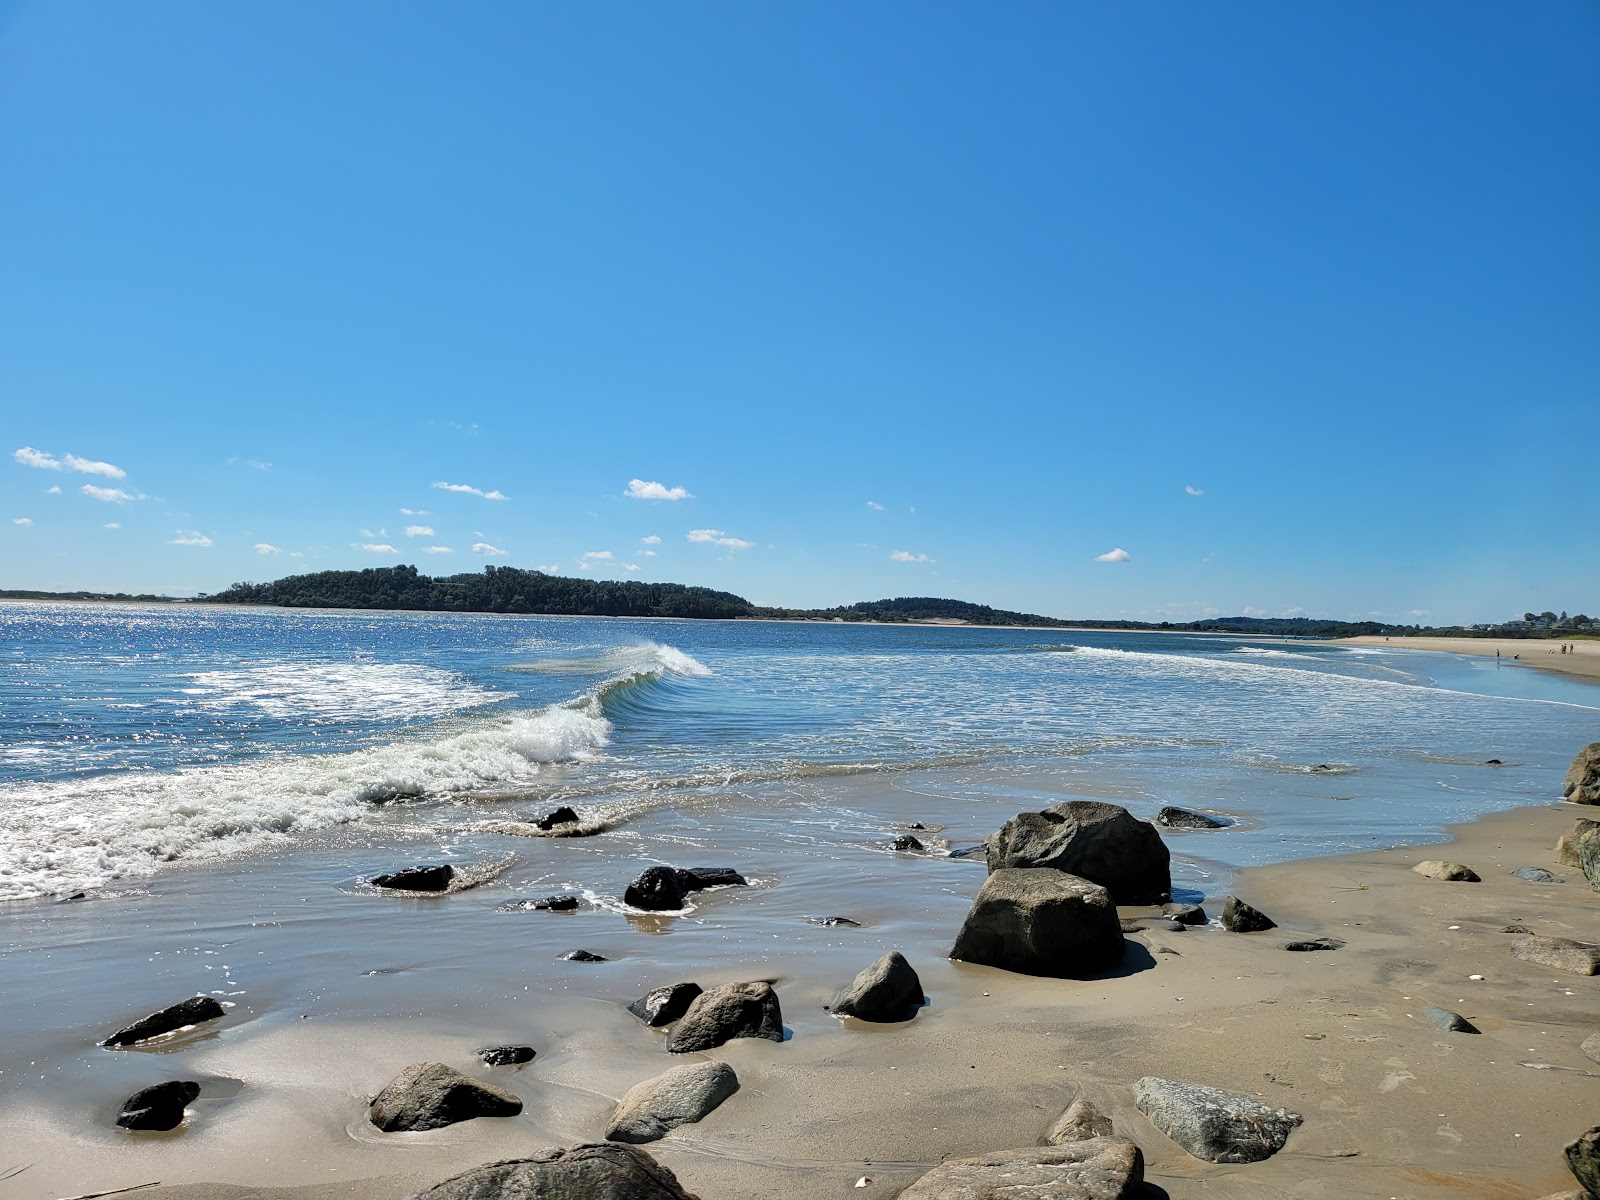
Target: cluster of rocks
160,1107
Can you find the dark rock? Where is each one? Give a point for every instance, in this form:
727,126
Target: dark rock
735,1010
1189,914
1567,844
1493,762
657,889
1041,921
697,879
1515,929
583,956
417,879
159,1107
665,1005
1536,875
916,825
1436,868
1239,917
1102,843
1081,1122
175,1016
1321,943
1212,1124
432,1095
969,851
905,842
1106,1168
505,1056
1582,783
1560,954
831,921
1324,769
593,1171
1591,1047
1446,1020
885,992
649,1110
1182,818
1583,1159
557,903
559,816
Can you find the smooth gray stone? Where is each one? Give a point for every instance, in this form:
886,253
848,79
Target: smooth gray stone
433,1095
1183,818
649,1110
1536,875
1560,954
1039,921
159,1107
1591,1047
1239,917
1188,914
1081,1122
665,1005
1213,1124
1446,1020
887,991
175,1016
1437,868
1102,843
1104,1168
592,1171
735,1010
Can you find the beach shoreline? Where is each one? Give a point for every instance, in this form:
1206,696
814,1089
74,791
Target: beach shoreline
1583,662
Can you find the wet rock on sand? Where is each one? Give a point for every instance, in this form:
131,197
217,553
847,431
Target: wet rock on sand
1560,954
1321,943
1103,843
1081,1122
1536,875
1567,845
559,816
665,1005
1213,1124
1239,917
159,1107
417,879
698,879
1583,1158
1582,782
174,1016
1039,921
506,1056
651,1109
432,1095
1183,818
735,1010
1436,868
885,992
657,889
1186,914
1446,1020
593,1171
1107,1168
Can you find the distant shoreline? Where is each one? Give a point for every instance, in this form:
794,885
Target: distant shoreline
1540,653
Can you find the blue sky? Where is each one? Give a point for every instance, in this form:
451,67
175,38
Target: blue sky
1294,306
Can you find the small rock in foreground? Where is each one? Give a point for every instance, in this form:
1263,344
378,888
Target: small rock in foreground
1561,954
159,1107
1321,943
593,1171
1446,1020
1536,875
649,1110
906,843
735,1010
1040,921
583,956
1104,1168
1183,818
417,879
505,1056
1239,917
433,1095
1212,1124
885,992
657,889
1188,914
1081,1122
1583,1158
665,1005
174,1016
1436,868
1591,1047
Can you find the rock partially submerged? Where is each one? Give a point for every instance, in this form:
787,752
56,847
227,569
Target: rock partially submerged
1582,782
1040,921
885,992
1213,1124
830,922
417,879
1560,954
592,1171
544,904
657,889
432,1095
1183,818
174,1017
1102,843
159,1107
698,879
1081,1122
1239,917
649,1110
557,817
1437,868
506,1056
906,844
1104,1168
735,1010
584,956
665,1005
1446,1020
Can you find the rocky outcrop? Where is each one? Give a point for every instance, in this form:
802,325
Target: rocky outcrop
159,1107
1183,818
1081,1122
1437,868
1105,1168
432,1095
593,1171
1212,1124
1567,843
1587,845
175,1016
1239,917
735,1010
887,991
1446,1020
651,1109
417,879
1102,843
1583,1159
1582,782
1040,921
665,1005
1559,954
657,889
506,1056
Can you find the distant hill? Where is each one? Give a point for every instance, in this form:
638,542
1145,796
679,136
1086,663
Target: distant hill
913,608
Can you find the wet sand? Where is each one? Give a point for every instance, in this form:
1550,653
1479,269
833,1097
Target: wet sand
1583,661
1394,1107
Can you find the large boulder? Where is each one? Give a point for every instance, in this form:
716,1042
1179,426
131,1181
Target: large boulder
1582,784
1437,868
735,1010
1567,844
159,1107
1588,848
1559,954
593,1171
432,1095
1239,917
1583,1157
1216,1125
175,1016
1104,1168
657,889
1040,921
1081,1122
664,1005
1103,843
684,1094
887,991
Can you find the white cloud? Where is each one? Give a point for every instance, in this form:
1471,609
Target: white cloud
649,553
550,568
485,548
715,537
109,495
267,548
253,464
1421,612
439,550
190,537
631,567
906,556
649,489
874,504
652,540
468,489
53,491
1294,612
113,525
29,457
1254,612
1211,612
604,555
22,520
87,466
419,530
413,512
375,547
1194,491
1118,555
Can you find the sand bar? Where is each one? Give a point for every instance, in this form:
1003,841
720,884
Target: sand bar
1582,660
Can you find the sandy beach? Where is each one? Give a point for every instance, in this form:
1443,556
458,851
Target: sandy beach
1581,661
